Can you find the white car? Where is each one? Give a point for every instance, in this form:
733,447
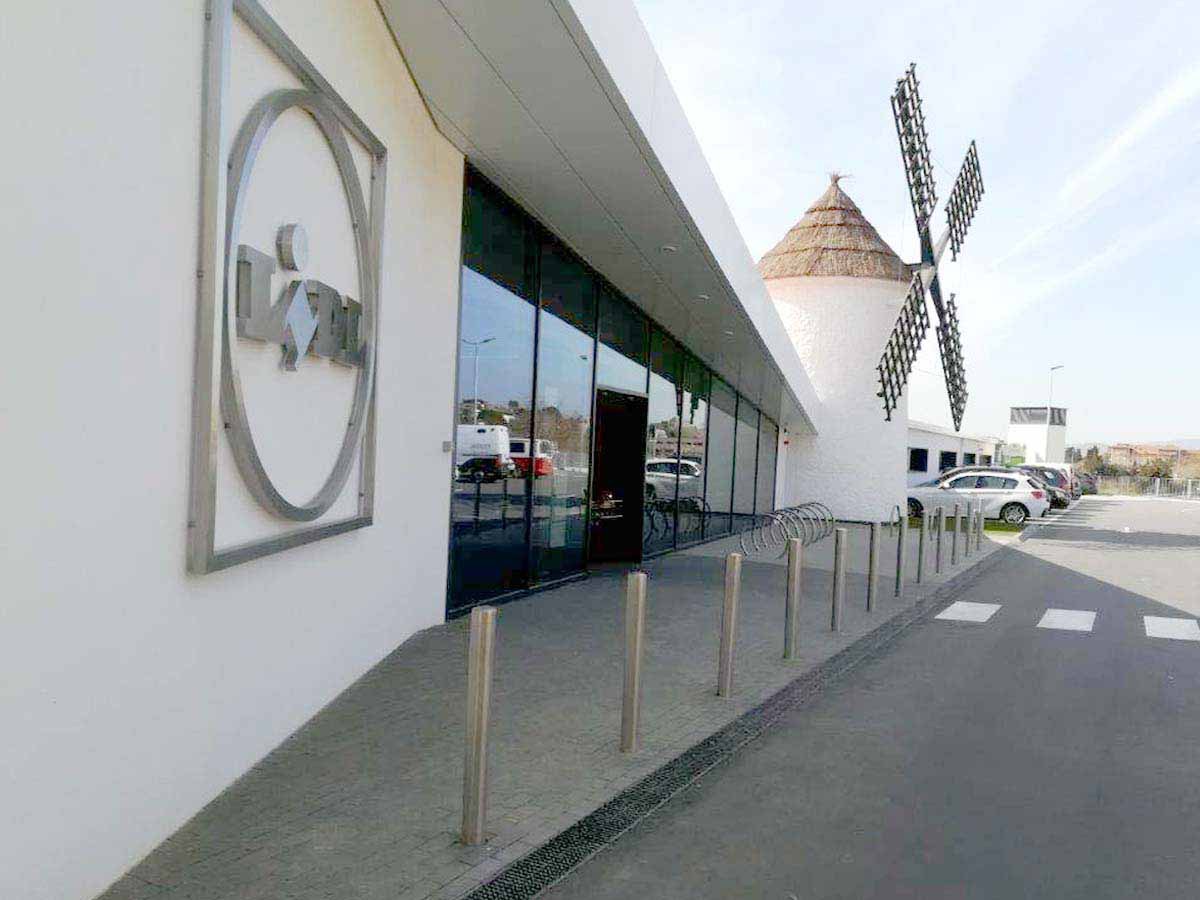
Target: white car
660,478
1008,495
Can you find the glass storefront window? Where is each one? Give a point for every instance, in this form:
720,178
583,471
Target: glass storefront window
693,436
560,460
535,319
662,444
624,339
768,446
745,463
495,387
718,482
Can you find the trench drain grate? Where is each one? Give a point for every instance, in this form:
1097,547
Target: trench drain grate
542,867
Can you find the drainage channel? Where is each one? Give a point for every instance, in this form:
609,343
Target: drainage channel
543,867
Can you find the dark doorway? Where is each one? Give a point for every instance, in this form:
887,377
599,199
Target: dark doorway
618,476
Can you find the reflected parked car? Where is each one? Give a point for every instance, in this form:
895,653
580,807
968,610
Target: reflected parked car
543,459
1087,483
660,479
1005,494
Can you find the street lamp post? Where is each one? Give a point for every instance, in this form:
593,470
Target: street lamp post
1049,411
475,345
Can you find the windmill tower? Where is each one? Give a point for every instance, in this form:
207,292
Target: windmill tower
844,295
839,289
896,363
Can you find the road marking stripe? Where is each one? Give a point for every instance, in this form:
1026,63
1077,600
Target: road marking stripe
1068,619
962,611
1172,629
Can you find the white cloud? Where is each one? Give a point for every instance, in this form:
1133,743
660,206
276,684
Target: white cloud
1112,166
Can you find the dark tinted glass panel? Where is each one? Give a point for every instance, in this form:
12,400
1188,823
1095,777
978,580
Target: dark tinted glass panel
624,343
985,459
662,442
560,462
918,460
768,438
718,483
495,383
494,241
967,482
745,463
968,459
693,433
947,459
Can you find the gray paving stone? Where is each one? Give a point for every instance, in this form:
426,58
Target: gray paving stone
363,802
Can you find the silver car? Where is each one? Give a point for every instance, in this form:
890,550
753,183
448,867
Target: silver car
1005,494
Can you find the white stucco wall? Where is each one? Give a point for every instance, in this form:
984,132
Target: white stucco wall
132,693
1042,443
839,327
938,440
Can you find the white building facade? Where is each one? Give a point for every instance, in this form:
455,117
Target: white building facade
935,448
1041,430
271,243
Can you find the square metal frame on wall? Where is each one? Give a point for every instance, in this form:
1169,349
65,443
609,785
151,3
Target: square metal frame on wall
208,420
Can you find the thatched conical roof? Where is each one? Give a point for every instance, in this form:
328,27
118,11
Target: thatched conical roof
833,238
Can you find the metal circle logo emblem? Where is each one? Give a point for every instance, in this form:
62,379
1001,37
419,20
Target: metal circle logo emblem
293,250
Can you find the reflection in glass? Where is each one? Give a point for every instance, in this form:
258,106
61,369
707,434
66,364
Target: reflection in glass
662,444
560,458
623,344
718,487
692,437
488,555
744,464
768,445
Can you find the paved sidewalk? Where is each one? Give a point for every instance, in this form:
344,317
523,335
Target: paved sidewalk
364,801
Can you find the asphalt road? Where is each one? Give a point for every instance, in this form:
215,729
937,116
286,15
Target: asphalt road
973,759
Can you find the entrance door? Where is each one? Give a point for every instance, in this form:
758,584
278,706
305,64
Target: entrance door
618,476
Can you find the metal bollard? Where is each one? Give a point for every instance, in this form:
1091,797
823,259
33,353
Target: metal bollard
979,534
901,556
939,528
954,537
922,536
873,567
480,657
791,614
635,630
733,590
970,533
839,579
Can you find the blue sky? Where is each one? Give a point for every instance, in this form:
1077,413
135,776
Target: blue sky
1087,117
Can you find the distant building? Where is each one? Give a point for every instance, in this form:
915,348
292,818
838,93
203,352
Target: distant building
933,449
1130,455
1045,442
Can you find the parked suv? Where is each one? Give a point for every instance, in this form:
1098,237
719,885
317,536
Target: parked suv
1006,494
1057,481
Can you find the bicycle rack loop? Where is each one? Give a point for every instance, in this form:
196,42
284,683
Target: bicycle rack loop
810,522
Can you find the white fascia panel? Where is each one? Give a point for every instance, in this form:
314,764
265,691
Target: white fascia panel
567,107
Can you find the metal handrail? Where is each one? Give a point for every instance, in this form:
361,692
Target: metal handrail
809,522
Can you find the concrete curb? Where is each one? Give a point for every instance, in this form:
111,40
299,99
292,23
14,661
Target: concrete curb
529,875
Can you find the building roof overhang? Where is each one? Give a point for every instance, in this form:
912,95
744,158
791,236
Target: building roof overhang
566,105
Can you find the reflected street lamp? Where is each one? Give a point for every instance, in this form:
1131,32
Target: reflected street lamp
475,345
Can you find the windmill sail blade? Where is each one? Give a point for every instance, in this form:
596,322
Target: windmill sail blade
900,352
964,200
914,147
952,362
